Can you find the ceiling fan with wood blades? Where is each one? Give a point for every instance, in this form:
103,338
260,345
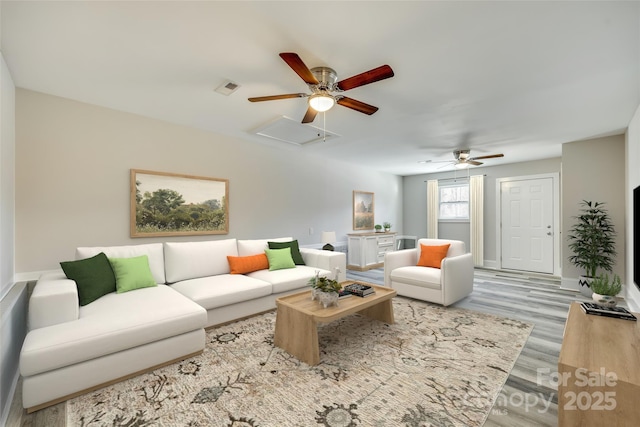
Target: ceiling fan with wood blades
463,158
325,88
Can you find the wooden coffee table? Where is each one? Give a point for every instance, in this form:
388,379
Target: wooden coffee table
297,318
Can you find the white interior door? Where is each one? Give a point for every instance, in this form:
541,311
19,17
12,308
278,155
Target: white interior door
527,228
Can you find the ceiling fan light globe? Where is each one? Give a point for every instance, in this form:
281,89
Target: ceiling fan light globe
321,102
461,165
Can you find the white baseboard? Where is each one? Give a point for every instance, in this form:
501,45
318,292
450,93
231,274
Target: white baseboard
489,263
633,299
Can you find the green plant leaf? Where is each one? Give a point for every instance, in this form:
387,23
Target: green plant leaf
592,239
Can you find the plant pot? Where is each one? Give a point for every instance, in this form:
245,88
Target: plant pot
328,299
584,284
387,230
604,300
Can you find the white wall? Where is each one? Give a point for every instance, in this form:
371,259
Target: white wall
72,181
7,178
632,143
593,170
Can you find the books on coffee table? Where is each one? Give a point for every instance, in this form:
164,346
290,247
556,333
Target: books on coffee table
599,310
360,290
344,294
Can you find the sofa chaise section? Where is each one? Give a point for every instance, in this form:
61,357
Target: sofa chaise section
114,337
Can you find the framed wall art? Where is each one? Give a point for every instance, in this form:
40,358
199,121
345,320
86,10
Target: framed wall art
362,210
169,204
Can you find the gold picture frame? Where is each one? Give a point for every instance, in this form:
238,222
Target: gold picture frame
363,210
171,204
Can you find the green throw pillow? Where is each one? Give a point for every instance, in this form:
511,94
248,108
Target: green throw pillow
279,258
132,273
295,250
93,276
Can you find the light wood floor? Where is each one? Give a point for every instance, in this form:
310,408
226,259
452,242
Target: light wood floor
527,398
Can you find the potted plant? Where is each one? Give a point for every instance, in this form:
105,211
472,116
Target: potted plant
387,226
325,290
592,242
604,292
378,228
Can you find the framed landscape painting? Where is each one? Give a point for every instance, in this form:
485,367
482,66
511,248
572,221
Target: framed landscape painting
362,210
168,204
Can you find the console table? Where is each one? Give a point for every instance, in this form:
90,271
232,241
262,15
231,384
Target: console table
366,250
599,371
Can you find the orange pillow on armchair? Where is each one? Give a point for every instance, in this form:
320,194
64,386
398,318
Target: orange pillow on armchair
432,256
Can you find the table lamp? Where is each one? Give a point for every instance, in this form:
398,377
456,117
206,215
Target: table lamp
328,237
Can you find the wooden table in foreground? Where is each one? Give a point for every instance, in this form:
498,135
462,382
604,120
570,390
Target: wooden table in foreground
598,372
297,318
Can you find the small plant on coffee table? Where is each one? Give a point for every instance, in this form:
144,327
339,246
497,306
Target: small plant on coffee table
325,290
324,284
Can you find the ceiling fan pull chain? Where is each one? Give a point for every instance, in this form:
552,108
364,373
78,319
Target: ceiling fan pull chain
324,126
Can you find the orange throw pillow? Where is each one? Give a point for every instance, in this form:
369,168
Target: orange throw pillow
431,256
247,264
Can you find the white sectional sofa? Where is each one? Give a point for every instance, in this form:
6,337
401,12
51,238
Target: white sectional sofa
71,349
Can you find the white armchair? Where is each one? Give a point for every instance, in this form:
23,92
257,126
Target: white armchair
445,285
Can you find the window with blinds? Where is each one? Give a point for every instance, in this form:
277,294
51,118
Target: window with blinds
454,201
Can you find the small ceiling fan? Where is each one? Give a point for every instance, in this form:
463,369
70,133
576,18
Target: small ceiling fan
463,158
323,81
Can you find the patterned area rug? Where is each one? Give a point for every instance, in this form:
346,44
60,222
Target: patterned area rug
435,366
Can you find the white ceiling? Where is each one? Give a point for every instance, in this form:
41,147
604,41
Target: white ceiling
519,78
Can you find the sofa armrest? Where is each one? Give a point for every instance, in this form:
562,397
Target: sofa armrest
54,300
397,259
327,260
456,278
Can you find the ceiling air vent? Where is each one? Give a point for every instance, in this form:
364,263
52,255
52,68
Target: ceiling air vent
293,132
227,87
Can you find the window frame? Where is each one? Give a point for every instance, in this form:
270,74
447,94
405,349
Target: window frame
440,202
